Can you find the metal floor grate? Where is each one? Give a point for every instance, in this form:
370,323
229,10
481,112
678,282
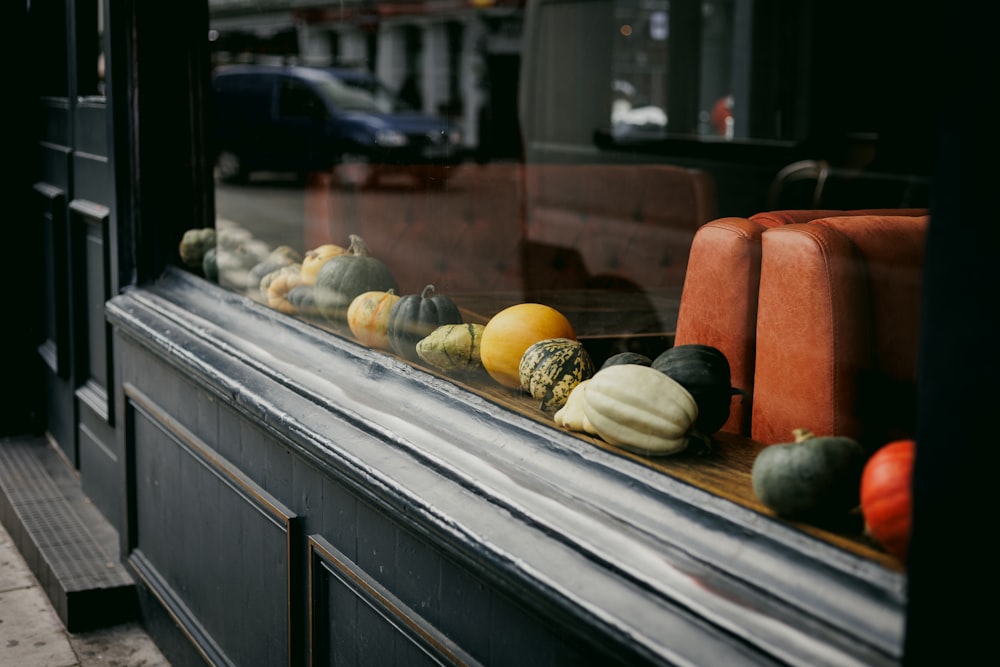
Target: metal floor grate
66,541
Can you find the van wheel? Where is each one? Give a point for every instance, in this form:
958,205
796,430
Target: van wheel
230,167
355,172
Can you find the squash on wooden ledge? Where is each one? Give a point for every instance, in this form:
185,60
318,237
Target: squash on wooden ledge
342,278
813,478
414,316
453,348
509,333
637,408
551,368
705,372
368,318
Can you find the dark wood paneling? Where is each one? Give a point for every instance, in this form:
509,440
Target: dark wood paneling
357,621
60,413
219,544
54,123
99,465
90,290
91,135
92,178
57,346
55,246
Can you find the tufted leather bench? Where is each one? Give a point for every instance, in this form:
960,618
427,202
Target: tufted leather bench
606,224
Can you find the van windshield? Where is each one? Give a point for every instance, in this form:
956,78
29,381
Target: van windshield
349,97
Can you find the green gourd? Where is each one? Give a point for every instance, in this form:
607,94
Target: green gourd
812,477
453,348
194,244
302,297
572,415
210,265
550,369
344,277
414,316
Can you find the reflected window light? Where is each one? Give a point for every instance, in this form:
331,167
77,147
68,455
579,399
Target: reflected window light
658,26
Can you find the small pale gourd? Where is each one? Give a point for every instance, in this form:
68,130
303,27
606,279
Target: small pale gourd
572,414
278,284
640,409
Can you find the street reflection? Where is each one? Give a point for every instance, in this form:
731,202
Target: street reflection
476,239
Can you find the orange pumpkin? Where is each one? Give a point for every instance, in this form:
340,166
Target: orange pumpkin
512,331
886,496
368,318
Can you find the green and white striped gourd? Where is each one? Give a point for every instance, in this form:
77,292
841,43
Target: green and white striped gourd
550,369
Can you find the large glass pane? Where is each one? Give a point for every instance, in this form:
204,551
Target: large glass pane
563,153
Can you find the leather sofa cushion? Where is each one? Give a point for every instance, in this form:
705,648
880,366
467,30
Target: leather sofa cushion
837,323
719,299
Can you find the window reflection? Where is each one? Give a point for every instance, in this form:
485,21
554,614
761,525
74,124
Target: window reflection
555,152
492,151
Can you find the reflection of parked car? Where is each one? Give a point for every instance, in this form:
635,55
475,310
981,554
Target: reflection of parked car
303,119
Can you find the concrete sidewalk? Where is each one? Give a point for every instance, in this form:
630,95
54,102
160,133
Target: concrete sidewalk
31,634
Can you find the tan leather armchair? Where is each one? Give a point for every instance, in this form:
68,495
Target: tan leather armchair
837,328
719,298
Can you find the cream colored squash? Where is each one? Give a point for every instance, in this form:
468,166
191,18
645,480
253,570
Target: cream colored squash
640,409
572,414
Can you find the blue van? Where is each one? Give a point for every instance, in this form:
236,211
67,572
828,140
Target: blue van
305,119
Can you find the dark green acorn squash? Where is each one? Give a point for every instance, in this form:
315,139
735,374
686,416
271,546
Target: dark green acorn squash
627,358
303,299
704,371
344,277
811,478
415,316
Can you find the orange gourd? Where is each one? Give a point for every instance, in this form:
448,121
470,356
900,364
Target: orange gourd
512,331
368,318
886,496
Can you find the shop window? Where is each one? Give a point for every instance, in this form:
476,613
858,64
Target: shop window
576,151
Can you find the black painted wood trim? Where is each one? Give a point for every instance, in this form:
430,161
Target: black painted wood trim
269,506
55,349
89,217
324,556
175,608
